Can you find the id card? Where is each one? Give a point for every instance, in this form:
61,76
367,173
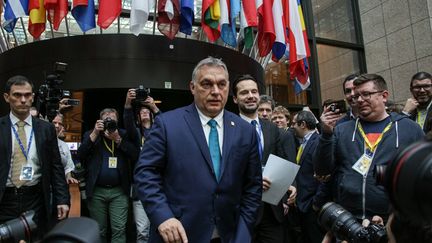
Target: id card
26,173
112,162
363,164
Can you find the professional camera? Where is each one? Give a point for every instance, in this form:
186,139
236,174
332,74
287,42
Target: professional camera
79,173
344,226
110,125
51,93
18,229
408,180
141,95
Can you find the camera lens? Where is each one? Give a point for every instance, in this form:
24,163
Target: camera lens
18,229
408,180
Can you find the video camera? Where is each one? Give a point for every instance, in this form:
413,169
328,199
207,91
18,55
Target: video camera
345,226
50,93
18,229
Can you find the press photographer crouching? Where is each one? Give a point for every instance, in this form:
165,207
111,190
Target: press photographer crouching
106,153
408,180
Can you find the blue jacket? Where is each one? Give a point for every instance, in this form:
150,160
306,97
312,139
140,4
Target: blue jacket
338,152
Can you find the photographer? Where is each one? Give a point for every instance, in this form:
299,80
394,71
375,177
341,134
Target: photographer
107,152
349,150
139,133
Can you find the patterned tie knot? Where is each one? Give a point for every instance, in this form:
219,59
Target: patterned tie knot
212,123
254,122
20,124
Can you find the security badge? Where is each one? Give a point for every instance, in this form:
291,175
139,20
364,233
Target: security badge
112,162
363,164
26,173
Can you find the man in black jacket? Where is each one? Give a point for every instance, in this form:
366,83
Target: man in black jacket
107,152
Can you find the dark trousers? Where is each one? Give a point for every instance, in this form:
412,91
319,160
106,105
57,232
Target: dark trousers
269,229
17,201
311,231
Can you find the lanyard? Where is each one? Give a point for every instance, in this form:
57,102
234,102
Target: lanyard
371,146
25,153
112,146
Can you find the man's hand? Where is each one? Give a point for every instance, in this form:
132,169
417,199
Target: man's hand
410,105
329,119
63,106
266,183
115,136
70,179
98,128
151,104
172,231
130,95
292,196
62,211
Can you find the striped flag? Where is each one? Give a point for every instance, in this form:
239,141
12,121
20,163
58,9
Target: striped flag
13,10
109,10
227,33
83,12
266,31
210,16
298,46
37,18
186,16
169,17
140,11
56,10
248,19
279,46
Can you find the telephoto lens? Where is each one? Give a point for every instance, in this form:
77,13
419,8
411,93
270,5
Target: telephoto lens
345,226
18,229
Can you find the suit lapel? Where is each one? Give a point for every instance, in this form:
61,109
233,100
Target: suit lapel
5,128
38,138
229,133
195,127
267,138
308,146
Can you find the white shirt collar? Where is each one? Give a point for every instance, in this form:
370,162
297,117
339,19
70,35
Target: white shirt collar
308,136
205,119
249,119
15,119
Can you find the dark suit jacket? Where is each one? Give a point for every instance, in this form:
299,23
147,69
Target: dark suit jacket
175,178
309,190
91,156
428,121
53,178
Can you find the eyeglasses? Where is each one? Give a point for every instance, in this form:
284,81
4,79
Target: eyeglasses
419,87
365,95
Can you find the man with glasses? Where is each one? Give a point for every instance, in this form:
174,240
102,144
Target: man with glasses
419,107
349,152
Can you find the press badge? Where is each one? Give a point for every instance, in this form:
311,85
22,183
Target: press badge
112,162
362,165
26,173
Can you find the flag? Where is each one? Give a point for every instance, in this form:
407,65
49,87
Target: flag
266,31
299,85
168,17
109,10
298,46
83,12
13,10
56,10
140,11
37,18
248,19
228,33
210,15
279,46
186,16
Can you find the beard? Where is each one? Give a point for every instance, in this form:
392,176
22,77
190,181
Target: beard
248,110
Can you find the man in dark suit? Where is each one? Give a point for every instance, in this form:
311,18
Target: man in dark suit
199,175
310,194
31,172
270,227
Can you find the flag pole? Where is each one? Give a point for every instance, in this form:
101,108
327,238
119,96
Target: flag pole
154,17
25,33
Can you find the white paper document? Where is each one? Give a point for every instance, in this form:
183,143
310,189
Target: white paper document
281,173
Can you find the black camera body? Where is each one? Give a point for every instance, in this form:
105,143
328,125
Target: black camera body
80,173
18,229
110,125
337,105
141,95
50,93
345,226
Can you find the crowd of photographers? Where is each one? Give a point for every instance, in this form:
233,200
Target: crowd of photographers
363,164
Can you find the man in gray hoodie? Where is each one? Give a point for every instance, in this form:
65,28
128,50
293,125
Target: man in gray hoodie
349,152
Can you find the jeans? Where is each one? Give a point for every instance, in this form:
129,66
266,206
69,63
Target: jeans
142,222
113,202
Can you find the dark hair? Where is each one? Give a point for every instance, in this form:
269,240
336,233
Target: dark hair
308,118
17,80
378,81
240,78
405,230
267,99
349,78
420,76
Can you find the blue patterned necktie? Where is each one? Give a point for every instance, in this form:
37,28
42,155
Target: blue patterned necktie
258,130
214,147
